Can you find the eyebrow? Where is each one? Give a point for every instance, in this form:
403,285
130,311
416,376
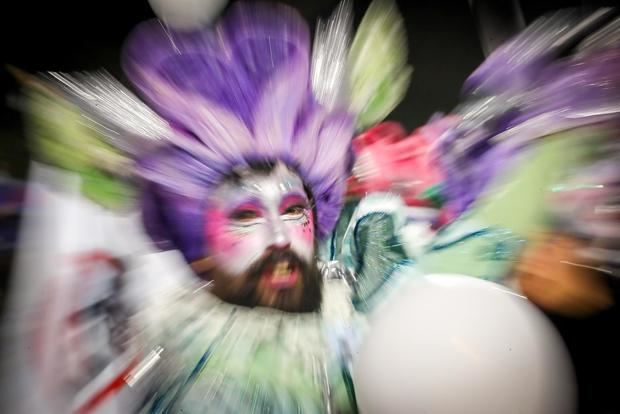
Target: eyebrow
255,203
293,198
250,203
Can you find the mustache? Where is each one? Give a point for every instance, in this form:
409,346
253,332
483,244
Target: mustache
243,289
271,258
309,271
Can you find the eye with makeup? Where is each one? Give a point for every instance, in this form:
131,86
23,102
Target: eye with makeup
245,215
295,211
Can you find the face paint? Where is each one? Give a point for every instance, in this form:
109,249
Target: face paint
257,214
260,236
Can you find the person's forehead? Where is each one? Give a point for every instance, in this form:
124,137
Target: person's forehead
266,187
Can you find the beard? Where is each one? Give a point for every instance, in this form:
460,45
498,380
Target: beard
254,288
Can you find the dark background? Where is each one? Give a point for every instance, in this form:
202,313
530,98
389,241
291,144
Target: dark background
447,40
70,35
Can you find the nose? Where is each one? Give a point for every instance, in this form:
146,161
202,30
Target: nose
280,237
280,245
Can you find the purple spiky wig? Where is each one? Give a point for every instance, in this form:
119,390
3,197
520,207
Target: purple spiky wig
235,94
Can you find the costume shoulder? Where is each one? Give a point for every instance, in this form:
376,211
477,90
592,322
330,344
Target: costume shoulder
369,243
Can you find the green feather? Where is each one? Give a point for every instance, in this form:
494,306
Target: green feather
379,73
60,135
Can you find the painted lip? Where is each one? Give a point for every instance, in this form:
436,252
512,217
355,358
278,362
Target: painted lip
283,275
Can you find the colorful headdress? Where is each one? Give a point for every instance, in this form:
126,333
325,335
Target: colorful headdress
251,89
526,90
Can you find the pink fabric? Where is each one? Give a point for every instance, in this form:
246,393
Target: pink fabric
390,160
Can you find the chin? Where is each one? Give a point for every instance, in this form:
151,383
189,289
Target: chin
288,300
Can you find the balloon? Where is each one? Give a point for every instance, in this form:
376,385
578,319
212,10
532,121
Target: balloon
449,344
187,14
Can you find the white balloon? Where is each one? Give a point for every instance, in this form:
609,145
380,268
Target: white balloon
187,14
451,344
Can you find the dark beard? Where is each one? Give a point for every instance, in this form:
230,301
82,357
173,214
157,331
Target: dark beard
245,291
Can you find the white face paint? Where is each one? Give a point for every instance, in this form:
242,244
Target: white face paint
262,212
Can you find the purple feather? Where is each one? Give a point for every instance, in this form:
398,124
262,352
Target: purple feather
236,93
559,94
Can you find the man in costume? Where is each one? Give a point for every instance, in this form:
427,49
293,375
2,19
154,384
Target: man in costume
240,164
241,169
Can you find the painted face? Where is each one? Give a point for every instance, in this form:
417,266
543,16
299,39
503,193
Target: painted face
260,236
